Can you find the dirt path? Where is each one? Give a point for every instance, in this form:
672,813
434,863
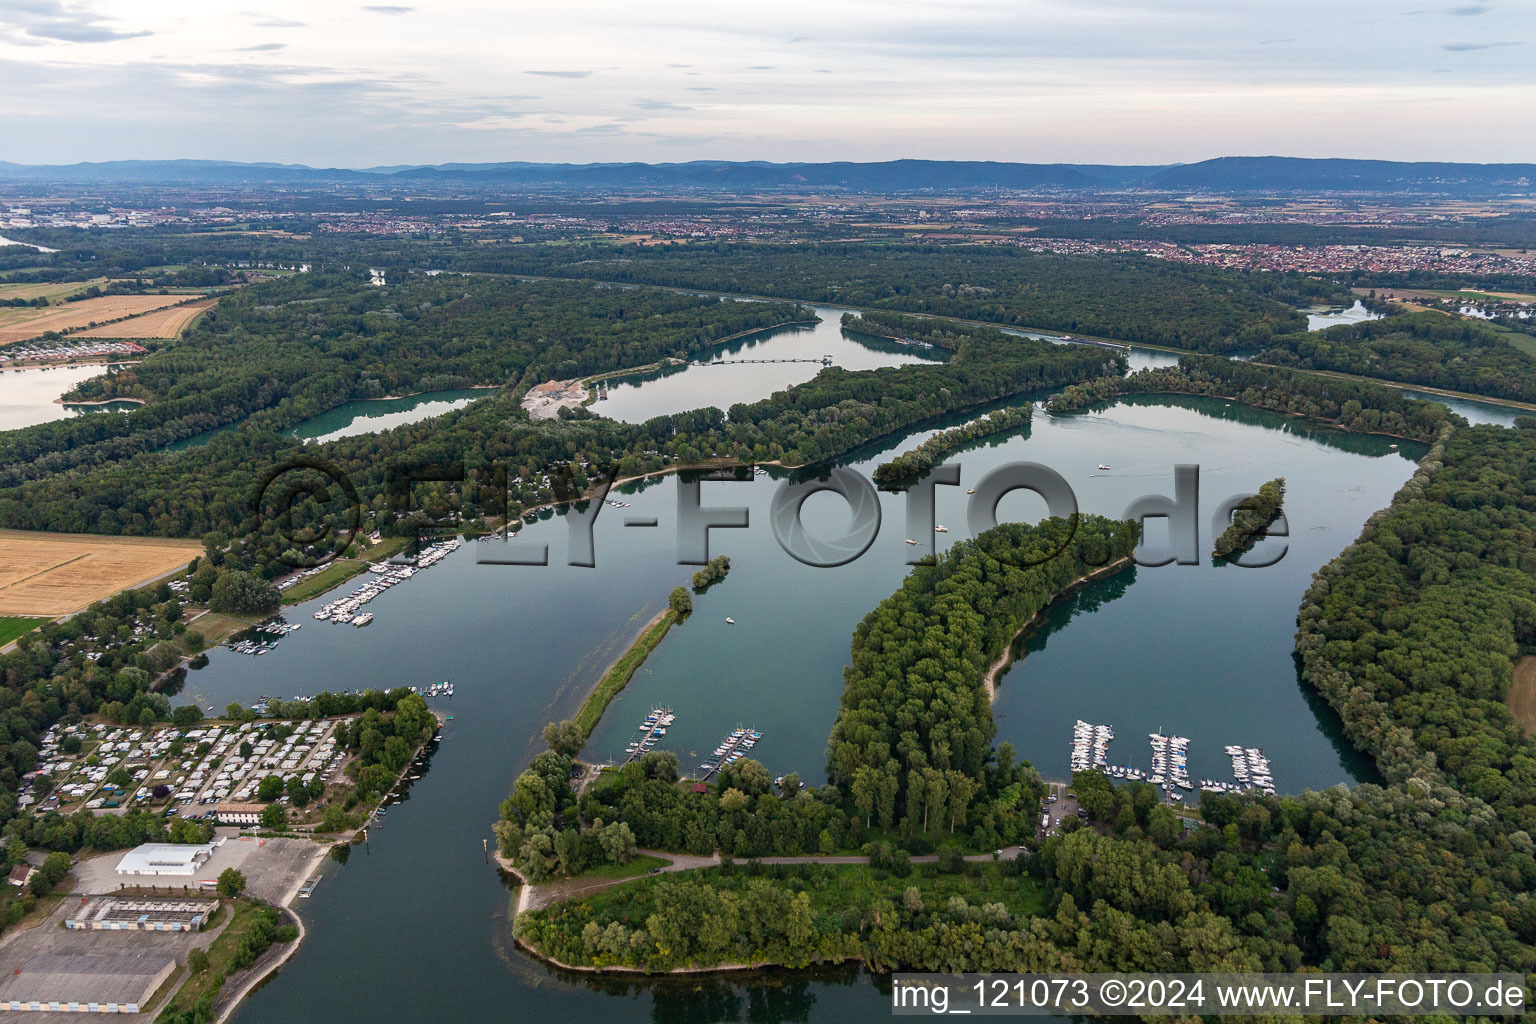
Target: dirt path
1522,695
536,897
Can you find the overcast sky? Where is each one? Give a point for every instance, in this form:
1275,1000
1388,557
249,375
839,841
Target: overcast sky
1116,81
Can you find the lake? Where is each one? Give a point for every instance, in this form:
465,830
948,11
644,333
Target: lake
361,417
416,922
1322,317
28,396
638,397
374,415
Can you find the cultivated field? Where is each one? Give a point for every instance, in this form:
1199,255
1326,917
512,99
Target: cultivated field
19,324
57,573
162,323
51,291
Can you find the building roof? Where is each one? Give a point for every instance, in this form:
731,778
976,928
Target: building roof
21,872
241,808
155,857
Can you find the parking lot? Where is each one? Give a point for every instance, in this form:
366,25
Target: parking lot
273,868
1064,806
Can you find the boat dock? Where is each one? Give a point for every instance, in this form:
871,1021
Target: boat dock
1170,764
385,575
307,889
1090,745
735,746
653,728
1251,768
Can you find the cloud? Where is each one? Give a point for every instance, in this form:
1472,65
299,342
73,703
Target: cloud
279,23
261,48
659,105
762,67
1470,47
1470,10
702,88
559,74
58,20
387,9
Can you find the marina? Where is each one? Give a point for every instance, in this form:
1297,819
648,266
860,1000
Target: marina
1170,764
735,746
653,727
344,610
1251,768
1090,745
262,638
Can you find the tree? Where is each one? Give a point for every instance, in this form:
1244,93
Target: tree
241,593
298,793
186,716
680,601
564,738
197,961
270,788
231,883
273,816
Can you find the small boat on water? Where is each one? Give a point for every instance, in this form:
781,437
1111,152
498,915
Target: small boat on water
941,529
911,541
1102,466
970,490
363,619
730,621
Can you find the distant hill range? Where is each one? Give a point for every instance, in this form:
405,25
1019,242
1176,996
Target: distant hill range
1233,174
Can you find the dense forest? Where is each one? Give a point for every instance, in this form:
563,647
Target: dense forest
922,458
1410,634
1250,519
307,343
1353,405
1128,298
1413,631
1430,349
207,490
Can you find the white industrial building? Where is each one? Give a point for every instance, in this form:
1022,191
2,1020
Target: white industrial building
165,859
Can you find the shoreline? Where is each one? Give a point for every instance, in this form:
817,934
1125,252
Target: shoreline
1054,333
99,401
1007,659
636,644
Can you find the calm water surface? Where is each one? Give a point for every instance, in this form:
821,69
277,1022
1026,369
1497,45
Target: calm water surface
370,417
28,396
637,398
415,926
1322,318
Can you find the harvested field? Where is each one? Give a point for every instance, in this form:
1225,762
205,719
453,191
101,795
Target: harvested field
57,573
19,324
162,323
52,291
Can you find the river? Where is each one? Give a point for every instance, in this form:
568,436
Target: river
415,926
